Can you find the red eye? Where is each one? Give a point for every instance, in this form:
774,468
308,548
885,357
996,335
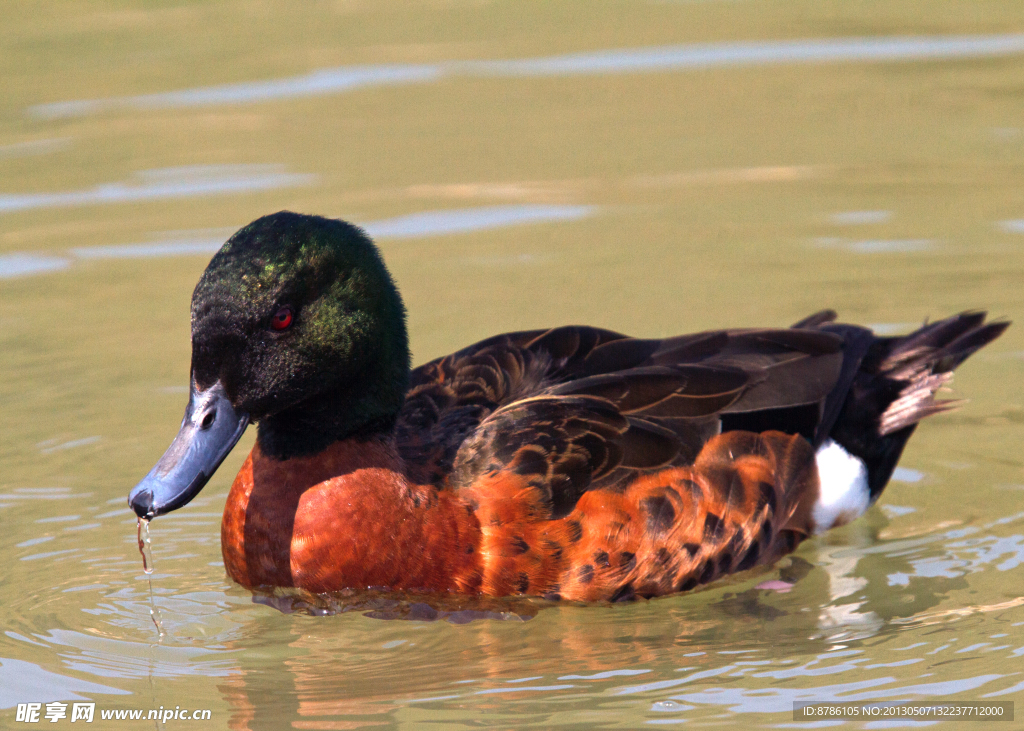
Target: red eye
282,319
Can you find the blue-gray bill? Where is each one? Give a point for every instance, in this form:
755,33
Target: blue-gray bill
210,429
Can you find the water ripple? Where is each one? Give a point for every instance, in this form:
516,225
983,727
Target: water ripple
179,182
860,218
436,223
315,83
781,700
876,246
20,680
35,147
489,691
415,225
756,53
22,264
621,60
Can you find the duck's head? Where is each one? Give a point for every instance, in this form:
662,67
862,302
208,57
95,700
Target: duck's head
296,325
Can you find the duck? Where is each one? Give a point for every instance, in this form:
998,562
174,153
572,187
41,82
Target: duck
572,463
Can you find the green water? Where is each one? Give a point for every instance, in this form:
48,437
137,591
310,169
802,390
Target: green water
648,196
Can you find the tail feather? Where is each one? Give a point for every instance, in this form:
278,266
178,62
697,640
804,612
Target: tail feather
924,361
816,320
915,402
896,387
967,344
930,338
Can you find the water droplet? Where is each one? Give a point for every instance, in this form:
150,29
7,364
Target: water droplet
145,545
146,549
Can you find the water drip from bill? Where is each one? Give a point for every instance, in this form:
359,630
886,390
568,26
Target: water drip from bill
146,549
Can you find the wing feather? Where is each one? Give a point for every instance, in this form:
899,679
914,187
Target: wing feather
579,408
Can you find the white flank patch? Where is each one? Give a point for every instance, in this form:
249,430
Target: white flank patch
844,487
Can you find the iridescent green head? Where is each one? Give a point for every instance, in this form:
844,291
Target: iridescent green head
299,320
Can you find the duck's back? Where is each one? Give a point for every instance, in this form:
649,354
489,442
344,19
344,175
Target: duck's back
602,467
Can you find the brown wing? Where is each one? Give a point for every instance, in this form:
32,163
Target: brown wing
449,397
578,408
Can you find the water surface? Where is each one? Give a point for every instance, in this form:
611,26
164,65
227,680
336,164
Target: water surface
651,168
